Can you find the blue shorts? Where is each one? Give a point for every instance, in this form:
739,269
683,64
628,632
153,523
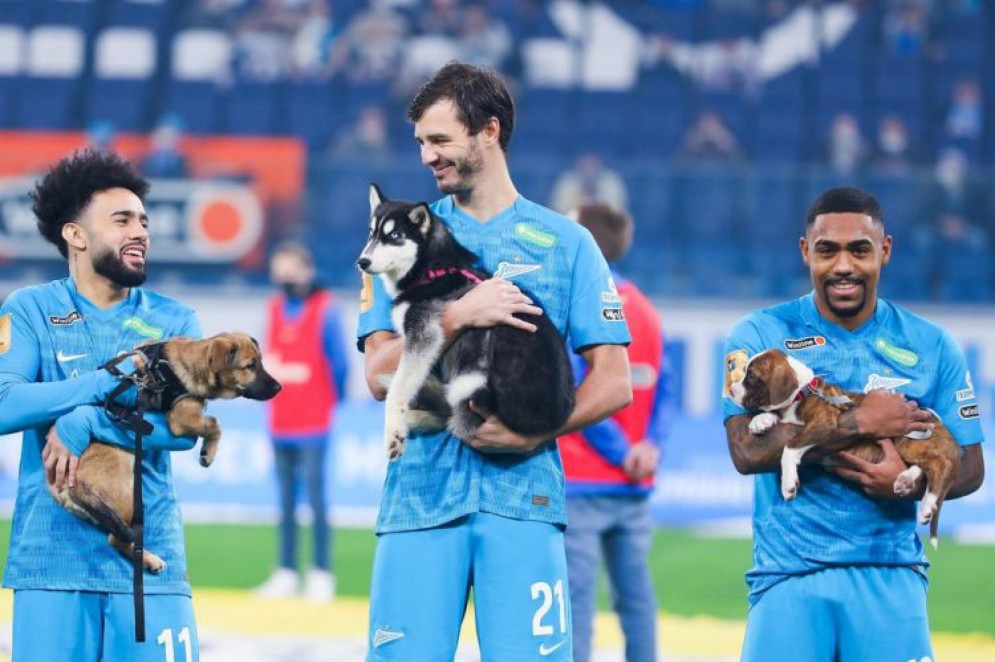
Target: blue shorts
849,614
89,627
422,580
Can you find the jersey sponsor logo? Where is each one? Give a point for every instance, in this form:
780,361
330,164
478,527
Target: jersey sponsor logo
143,328
905,357
540,500
545,650
795,344
535,235
384,636
876,381
62,357
735,369
5,336
366,295
71,318
612,314
508,270
968,411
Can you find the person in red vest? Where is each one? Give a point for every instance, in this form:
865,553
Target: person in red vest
305,350
610,467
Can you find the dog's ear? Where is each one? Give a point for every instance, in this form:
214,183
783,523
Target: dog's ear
222,353
254,342
421,217
376,198
782,381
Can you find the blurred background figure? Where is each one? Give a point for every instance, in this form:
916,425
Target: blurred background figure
965,115
894,153
367,137
313,41
589,180
304,349
100,135
709,140
164,160
845,148
610,467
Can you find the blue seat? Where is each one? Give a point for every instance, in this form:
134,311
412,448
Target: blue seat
251,109
125,103
707,203
154,16
47,103
198,103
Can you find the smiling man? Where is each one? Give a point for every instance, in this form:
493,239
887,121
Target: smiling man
839,573
72,591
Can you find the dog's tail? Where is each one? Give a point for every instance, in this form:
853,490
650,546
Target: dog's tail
105,516
934,524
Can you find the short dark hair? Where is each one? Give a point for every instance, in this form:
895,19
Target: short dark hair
296,248
67,188
478,94
844,201
611,227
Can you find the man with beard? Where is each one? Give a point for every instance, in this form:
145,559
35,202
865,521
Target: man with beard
72,591
487,514
843,558
306,352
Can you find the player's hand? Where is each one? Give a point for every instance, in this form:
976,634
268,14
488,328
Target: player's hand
876,480
883,414
60,464
641,461
490,303
493,437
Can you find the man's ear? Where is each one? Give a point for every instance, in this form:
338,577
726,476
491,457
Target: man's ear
74,236
376,198
421,217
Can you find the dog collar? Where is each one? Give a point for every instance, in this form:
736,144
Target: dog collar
433,274
815,387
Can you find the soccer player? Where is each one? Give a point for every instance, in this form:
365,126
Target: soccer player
306,351
72,590
488,514
839,572
610,469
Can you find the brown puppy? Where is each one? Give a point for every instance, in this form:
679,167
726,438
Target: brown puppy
224,366
787,391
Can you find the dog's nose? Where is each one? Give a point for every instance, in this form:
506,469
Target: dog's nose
363,263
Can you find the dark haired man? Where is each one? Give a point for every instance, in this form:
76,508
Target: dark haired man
843,558
54,338
488,514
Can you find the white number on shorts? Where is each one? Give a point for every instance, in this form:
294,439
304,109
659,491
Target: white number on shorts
166,639
543,590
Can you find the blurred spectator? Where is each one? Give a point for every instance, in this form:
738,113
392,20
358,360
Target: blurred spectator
442,18
721,66
484,40
263,41
367,137
965,116
100,135
845,149
905,27
709,140
588,181
370,50
311,45
893,154
164,160
306,352
213,14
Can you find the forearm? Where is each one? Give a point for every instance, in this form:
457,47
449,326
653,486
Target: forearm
382,355
757,454
26,405
971,474
601,394
92,423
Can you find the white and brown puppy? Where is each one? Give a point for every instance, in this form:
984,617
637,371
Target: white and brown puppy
787,391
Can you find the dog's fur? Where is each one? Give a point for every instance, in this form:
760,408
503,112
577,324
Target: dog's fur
523,378
225,366
772,382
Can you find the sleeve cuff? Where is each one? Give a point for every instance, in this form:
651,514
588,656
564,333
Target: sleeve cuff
73,432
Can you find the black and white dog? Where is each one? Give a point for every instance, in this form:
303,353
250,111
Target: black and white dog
523,378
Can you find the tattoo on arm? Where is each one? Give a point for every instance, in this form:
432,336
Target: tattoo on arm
753,454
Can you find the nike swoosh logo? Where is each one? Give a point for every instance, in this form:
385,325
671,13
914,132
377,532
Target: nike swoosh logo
62,358
544,651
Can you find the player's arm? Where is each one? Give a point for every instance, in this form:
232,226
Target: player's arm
26,403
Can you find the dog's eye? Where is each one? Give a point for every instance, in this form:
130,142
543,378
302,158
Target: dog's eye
394,235
251,366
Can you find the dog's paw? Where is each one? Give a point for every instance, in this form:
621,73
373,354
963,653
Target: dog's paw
207,457
789,487
763,422
928,508
153,563
905,484
395,447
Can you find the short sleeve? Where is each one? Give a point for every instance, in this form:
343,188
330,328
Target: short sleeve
374,310
596,316
955,401
743,341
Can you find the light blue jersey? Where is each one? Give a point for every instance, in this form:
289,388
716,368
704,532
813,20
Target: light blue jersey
556,260
831,522
52,344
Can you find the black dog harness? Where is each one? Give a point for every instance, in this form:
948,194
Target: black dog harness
158,390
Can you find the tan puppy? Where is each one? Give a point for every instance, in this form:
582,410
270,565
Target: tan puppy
225,366
787,391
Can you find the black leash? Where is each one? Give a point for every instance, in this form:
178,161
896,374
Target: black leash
133,419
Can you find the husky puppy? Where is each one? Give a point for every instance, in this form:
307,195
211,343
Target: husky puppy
523,378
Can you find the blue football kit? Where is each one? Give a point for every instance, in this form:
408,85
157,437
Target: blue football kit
844,553
452,517
53,342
